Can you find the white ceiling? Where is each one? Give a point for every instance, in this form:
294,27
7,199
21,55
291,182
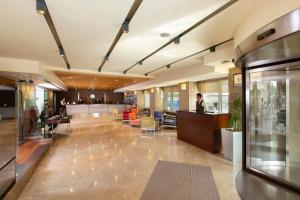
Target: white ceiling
25,34
87,29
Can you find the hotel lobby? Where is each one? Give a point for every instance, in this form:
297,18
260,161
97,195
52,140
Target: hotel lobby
148,99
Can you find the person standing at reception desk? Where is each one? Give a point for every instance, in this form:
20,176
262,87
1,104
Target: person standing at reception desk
201,129
200,104
63,104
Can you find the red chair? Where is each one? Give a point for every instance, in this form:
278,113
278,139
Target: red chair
126,116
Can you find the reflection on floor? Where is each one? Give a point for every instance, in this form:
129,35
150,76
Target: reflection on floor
30,152
252,187
290,174
105,159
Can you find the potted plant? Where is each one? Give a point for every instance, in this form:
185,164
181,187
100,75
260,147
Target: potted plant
232,136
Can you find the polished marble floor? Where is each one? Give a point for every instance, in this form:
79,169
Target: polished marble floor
105,159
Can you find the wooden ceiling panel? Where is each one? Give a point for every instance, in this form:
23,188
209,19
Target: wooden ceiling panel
97,82
6,82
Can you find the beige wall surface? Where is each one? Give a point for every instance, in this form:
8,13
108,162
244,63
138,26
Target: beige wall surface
187,97
234,92
193,90
266,12
156,100
184,97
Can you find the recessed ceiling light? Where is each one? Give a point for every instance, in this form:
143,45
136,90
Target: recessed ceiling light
226,61
164,35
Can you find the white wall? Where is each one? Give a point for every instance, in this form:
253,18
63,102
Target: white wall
266,12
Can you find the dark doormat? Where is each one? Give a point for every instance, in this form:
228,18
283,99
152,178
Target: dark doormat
174,181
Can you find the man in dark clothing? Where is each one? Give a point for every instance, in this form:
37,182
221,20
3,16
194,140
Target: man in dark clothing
200,105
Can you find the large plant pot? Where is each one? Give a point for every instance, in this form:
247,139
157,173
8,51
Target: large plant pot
232,145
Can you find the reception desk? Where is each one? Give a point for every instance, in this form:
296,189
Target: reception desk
78,109
201,130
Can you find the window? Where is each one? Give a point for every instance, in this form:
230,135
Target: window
215,95
172,103
175,101
147,99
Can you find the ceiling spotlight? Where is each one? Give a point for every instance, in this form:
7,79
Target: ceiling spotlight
141,63
168,66
212,49
106,58
61,52
177,40
41,6
68,66
124,72
146,74
125,26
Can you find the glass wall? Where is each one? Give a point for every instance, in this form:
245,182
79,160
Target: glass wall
8,132
172,101
273,128
215,94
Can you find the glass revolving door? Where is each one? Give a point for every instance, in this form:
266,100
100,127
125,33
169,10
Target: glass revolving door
273,122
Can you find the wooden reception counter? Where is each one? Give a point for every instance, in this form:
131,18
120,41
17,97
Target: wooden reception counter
201,130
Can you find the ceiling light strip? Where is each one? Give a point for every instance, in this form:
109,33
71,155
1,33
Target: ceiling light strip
207,49
124,28
57,86
177,38
50,23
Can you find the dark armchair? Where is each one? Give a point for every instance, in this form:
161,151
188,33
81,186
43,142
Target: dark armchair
169,120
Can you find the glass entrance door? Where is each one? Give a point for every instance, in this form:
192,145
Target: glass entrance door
273,122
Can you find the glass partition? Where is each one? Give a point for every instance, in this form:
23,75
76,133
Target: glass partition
273,128
215,94
172,101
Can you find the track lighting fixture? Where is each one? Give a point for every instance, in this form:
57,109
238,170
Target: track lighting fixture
106,58
177,40
61,52
41,6
141,63
124,72
125,26
212,49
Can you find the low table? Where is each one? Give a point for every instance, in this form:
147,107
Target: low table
56,120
